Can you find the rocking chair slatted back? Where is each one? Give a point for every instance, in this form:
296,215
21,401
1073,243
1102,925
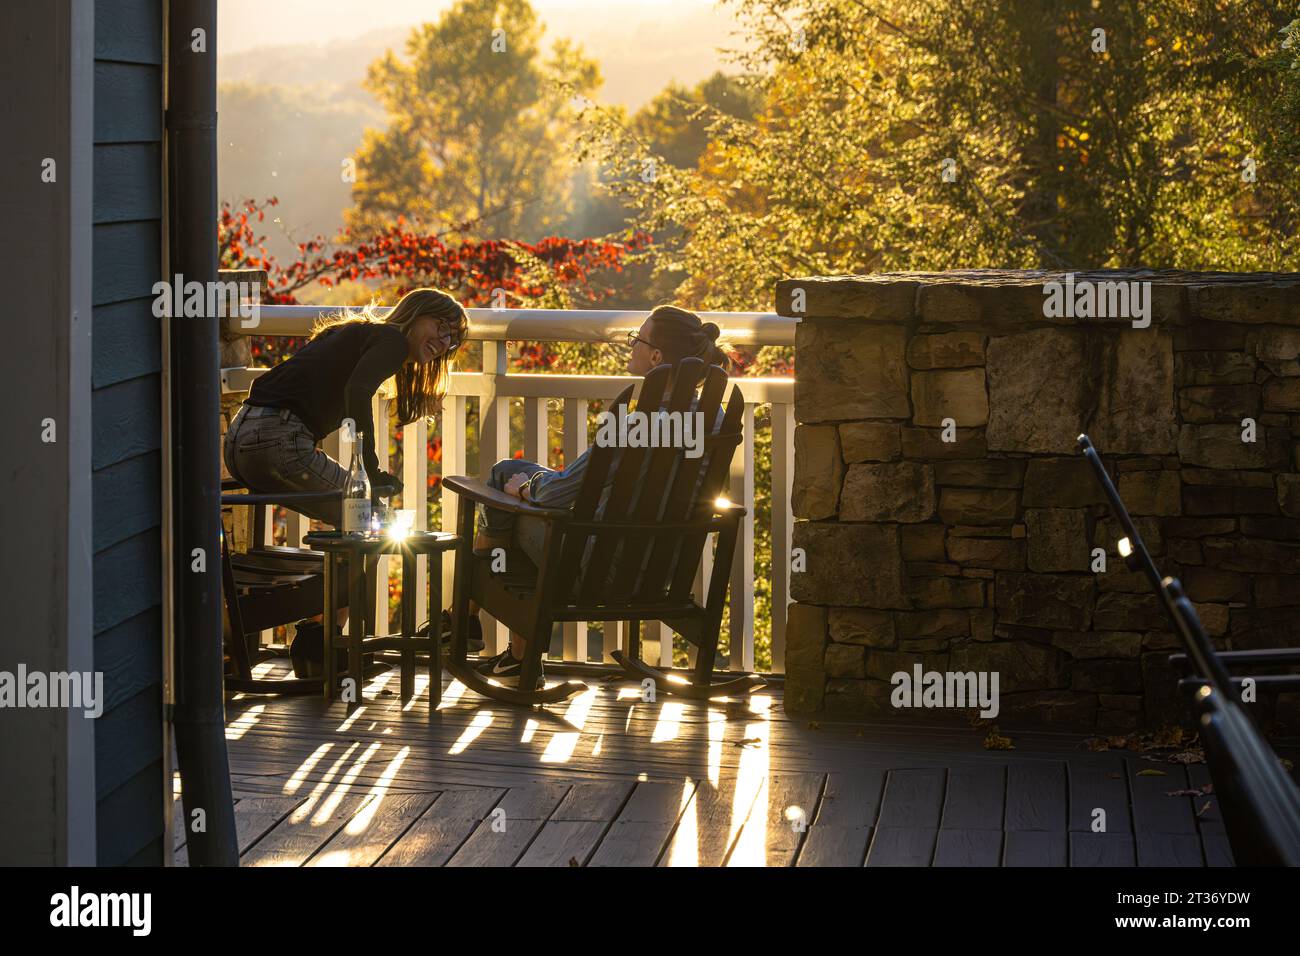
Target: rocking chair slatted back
622,496
584,508
676,506
649,509
692,546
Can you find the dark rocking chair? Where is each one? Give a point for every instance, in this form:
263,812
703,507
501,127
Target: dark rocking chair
636,561
267,586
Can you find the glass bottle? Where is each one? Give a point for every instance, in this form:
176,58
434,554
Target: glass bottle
356,493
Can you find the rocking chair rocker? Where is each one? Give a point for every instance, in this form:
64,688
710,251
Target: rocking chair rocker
634,559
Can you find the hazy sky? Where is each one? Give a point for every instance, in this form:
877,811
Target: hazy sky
244,24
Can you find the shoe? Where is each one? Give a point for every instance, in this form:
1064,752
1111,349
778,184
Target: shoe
474,644
307,652
505,670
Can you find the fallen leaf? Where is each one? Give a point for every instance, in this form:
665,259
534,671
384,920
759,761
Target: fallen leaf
814,725
1202,811
1096,744
1152,773
995,741
749,741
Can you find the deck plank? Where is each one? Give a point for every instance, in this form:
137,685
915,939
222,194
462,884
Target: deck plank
373,829
256,816
851,798
1036,796
901,846
913,800
1169,849
564,843
971,847
1111,848
711,822
632,843
1218,852
593,801
975,799
1034,848
1096,786
1155,810
300,834
1205,808
443,828
779,821
834,845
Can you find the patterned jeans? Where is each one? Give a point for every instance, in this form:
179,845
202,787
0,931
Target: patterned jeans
271,449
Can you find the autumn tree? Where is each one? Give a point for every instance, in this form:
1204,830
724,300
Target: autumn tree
478,120
939,134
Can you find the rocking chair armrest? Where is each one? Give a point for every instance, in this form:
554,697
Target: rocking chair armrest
479,491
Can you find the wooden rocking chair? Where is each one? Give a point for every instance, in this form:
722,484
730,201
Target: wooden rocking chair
636,560
266,586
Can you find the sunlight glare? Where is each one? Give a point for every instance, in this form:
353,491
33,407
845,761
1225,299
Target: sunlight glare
476,726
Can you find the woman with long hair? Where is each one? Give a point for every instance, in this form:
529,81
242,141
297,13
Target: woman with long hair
668,335
272,444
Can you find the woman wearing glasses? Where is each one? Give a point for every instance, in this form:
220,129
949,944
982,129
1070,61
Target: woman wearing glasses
271,445
667,336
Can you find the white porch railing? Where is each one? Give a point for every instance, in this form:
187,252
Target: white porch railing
495,389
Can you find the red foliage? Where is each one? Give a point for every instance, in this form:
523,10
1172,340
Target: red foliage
472,271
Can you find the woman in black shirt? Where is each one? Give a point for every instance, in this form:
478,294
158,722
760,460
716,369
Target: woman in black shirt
271,444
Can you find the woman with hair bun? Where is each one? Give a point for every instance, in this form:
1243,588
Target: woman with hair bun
668,335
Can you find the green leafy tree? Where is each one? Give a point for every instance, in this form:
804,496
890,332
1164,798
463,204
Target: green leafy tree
478,122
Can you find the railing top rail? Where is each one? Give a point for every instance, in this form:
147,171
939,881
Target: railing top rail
541,325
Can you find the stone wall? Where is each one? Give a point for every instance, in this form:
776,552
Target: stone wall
976,553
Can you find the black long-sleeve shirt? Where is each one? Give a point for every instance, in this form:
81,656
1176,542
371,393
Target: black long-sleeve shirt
334,376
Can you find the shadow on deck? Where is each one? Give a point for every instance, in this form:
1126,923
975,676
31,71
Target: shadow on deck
608,779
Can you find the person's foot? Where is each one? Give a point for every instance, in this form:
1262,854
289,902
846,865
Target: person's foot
505,670
473,644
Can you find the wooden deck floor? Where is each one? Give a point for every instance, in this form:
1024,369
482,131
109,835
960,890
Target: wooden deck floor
608,780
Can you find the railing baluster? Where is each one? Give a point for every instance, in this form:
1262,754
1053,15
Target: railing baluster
415,496
741,491
453,463
379,411
782,525
536,434
494,445
575,443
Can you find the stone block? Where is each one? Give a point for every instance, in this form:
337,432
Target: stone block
1218,403
928,443
852,625
900,491
1058,539
1055,601
958,395
846,660
1151,492
946,350
1020,665
922,542
1220,446
941,623
1107,676
1117,611
1215,584
945,592
1039,386
869,441
1061,483
818,472
866,298
1213,368
1135,413
1062,708
805,653
857,698
976,506
998,554
850,370
1282,395
855,565
988,473
1087,645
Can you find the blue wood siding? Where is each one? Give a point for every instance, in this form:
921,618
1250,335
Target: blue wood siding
127,425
